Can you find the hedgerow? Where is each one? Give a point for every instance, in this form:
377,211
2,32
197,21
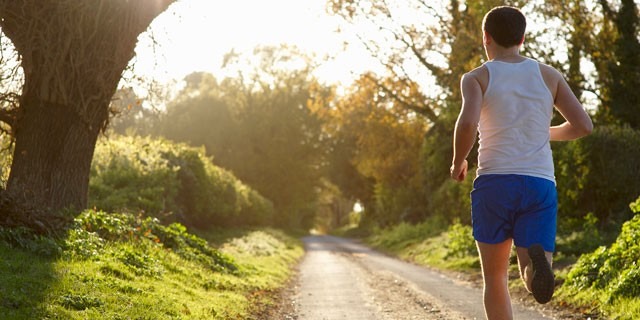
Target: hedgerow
598,174
173,182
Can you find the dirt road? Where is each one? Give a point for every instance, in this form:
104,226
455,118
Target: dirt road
340,279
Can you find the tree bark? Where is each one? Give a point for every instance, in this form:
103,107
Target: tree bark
52,157
73,55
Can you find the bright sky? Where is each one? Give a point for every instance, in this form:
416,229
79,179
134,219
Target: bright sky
193,35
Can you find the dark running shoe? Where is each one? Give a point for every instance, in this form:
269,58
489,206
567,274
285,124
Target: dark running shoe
543,282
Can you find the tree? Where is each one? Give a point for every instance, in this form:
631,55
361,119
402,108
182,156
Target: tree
72,54
129,114
425,54
622,97
259,125
428,49
605,35
381,142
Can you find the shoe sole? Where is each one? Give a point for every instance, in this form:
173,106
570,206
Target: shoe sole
543,282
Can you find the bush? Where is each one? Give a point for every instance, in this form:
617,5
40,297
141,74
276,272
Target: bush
131,174
452,200
92,229
461,243
398,236
614,270
599,173
173,182
396,204
586,237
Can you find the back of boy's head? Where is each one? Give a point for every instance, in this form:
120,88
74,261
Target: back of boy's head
506,25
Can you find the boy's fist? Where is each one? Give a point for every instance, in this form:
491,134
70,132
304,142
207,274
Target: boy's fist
459,172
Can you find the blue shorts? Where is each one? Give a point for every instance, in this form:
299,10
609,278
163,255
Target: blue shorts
520,207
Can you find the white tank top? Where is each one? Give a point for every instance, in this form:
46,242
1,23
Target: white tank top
514,121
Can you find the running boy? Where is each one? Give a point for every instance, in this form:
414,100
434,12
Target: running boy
509,100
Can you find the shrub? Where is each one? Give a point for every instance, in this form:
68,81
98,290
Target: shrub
173,182
586,237
95,227
131,174
452,200
398,236
461,243
395,204
599,174
614,270
26,239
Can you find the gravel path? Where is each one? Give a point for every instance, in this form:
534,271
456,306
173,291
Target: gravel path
340,279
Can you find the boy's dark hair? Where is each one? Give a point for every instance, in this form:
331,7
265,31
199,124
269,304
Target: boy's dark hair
505,25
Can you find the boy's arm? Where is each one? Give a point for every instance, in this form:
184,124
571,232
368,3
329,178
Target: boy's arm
464,135
578,122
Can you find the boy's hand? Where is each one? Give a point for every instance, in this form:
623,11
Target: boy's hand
459,172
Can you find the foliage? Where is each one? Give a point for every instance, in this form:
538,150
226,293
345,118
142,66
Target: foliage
431,243
131,173
427,52
126,227
584,238
379,144
403,234
610,273
452,199
130,113
161,272
25,239
408,104
461,243
598,174
259,125
605,33
173,182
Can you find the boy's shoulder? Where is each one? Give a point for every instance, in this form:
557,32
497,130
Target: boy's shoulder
549,71
478,71
479,74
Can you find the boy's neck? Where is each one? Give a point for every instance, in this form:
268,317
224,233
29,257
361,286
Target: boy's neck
511,54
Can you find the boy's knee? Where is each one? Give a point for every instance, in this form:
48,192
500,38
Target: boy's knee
496,278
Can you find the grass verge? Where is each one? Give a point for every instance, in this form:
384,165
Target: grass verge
112,266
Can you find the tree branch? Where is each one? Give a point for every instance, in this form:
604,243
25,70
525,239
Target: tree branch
435,70
606,9
7,116
425,111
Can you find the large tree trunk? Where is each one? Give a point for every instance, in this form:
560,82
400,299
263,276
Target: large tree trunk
73,54
53,153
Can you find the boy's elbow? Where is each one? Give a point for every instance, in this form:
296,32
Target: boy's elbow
466,125
586,128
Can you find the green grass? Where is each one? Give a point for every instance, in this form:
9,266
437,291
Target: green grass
143,276
429,243
590,301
